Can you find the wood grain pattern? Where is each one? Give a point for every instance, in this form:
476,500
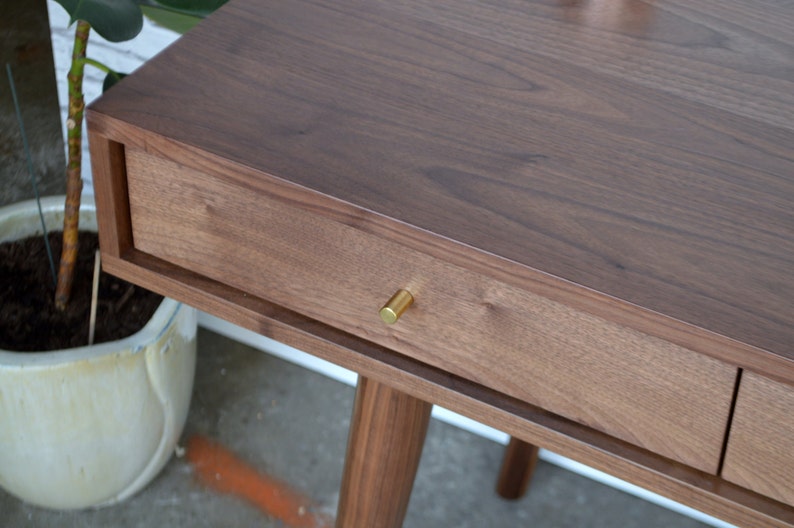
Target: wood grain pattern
387,433
761,443
731,55
635,387
707,493
112,202
650,161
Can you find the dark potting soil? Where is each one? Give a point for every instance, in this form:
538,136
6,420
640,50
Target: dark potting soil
28,318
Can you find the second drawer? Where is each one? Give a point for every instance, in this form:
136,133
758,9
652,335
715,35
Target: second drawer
759,455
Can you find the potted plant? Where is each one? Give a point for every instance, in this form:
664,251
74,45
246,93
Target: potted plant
91,425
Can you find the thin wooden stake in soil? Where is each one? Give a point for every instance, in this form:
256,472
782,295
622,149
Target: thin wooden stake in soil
94,295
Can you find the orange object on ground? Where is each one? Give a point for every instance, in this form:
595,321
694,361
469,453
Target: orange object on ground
221,470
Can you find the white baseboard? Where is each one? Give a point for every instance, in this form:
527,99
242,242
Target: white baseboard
348,377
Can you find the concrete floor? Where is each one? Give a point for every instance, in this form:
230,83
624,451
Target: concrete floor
291,424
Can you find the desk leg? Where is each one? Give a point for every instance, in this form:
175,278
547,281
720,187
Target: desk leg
386,438
518,465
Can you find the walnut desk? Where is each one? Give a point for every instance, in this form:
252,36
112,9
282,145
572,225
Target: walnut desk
591,205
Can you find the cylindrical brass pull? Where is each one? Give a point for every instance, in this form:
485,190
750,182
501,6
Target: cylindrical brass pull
396,306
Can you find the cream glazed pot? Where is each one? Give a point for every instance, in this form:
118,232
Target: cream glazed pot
91,426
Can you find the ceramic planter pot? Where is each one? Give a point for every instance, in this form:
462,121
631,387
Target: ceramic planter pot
91,426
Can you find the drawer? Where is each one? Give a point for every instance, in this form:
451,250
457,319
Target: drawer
304,252
760,453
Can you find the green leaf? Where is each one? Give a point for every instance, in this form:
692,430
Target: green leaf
114,20
174,21
111,79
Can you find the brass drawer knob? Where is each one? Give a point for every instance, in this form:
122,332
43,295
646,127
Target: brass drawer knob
396,306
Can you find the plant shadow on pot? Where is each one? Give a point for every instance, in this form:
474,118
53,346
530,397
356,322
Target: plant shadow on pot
92,425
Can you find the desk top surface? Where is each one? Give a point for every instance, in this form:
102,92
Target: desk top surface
644,150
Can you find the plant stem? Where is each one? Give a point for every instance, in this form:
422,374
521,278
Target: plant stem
74,181
98,65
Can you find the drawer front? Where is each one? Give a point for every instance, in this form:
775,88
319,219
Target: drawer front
760,453
313,259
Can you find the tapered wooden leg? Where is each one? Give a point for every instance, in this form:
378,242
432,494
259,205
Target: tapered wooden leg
386,438
517,467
